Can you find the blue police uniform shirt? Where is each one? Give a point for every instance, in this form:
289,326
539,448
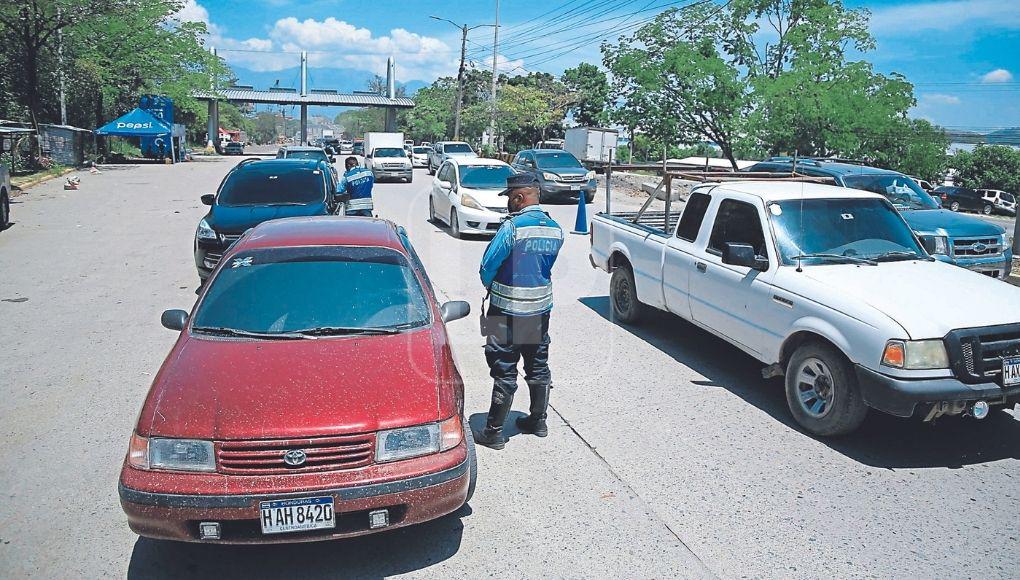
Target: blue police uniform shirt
517,265
358,182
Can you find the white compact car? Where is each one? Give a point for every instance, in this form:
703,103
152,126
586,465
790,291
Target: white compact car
465,195
420,156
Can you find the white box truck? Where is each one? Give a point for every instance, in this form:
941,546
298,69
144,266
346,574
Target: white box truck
591,144
386,157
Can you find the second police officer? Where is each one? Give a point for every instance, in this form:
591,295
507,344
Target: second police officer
355,188
517,272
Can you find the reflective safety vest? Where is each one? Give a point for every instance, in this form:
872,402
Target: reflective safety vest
518,263
357,182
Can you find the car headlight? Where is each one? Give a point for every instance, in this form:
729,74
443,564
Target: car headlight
589,176
1004,243
205,231
405,443
941,244
468,201
915,354
171,454
550,176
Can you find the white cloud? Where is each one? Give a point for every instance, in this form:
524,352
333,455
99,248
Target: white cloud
943,15
999,75
939,99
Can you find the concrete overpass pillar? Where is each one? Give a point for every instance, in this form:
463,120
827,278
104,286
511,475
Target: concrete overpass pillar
213,126
304,94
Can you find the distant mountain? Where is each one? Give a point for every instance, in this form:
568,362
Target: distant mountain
344,80
1009,136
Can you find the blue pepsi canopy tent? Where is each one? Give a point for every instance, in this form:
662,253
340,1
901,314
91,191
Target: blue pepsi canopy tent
142,124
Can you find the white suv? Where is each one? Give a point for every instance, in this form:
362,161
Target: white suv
1002,201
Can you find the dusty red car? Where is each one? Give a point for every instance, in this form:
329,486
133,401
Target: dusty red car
311,395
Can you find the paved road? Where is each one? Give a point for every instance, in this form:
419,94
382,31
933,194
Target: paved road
668,454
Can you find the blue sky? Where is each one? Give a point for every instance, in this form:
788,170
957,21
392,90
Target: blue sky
962,55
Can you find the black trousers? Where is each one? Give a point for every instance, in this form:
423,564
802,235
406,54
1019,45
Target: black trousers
525,337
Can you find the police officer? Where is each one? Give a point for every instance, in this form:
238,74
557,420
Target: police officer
516,270
355,188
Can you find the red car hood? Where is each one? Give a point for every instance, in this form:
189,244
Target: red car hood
231,389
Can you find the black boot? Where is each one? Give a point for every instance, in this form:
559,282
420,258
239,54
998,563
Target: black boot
535,422
492,435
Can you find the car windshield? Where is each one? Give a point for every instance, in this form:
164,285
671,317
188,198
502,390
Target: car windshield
316,154
390,152
830,229
902,191
421,150
457,148
557,161
272,186
485,176
317,290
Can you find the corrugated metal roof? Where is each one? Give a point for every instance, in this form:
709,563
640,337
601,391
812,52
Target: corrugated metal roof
16,130
288,98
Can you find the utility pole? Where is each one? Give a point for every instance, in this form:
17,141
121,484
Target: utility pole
495,49
60,73
460,72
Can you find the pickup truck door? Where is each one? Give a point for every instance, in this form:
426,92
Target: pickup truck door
732,300
678,256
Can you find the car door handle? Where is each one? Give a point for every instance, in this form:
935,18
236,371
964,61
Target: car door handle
701,266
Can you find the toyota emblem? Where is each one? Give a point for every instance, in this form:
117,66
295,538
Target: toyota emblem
295,457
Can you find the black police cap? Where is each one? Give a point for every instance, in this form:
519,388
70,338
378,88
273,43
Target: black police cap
519,180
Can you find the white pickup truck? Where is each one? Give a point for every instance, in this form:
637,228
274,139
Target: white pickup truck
827,286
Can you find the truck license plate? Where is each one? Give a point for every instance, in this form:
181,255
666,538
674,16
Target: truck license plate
1011,371
297,515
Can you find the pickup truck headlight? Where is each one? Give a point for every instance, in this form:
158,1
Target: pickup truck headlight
171,454
205,231
550,176
941,244
915,354
468,201
589,176
405,443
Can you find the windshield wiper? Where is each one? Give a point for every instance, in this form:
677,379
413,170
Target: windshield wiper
344,330
841,257
900,254
223,331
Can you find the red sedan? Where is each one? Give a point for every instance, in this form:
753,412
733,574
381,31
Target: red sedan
311,395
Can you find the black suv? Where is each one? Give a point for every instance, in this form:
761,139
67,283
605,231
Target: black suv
560,175
957,198
256,191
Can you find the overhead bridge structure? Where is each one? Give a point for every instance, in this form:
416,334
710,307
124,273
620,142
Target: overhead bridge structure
306,97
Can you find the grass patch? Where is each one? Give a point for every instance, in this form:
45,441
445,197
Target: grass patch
36,176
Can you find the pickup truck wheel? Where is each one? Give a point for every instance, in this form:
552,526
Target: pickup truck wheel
822,391
623,296
955,206
472,459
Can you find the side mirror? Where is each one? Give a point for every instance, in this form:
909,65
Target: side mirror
208,198
332,159
174,319
743,255
455,310
445,185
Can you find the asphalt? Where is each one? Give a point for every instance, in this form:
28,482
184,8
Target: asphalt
668,455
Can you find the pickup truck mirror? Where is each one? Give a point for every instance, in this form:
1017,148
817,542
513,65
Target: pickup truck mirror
454,310
743,255
174,319
208,198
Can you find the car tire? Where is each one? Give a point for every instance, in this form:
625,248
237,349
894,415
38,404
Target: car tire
472,459
624,304
432,210
431,171
411,178
822,391
954,206
455,224
589,197
5,210
987,210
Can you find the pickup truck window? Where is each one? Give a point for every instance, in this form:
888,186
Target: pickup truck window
828,229
457,148
737,222
694,214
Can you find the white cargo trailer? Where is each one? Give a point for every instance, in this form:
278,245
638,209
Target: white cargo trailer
593,144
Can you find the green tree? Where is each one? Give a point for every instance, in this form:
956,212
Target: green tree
589,88
431,118
988,167
913,146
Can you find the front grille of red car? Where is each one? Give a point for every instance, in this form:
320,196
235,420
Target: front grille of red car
266,457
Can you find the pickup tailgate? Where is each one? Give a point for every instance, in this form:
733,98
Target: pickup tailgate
617,237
